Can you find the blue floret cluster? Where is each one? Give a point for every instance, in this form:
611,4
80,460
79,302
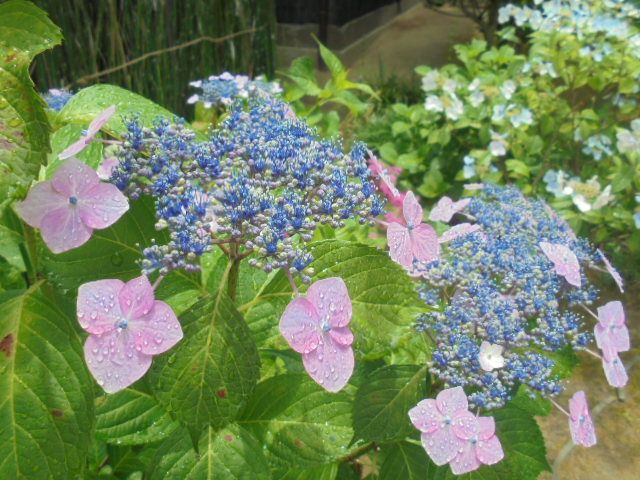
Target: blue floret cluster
258,186
57,98
496,285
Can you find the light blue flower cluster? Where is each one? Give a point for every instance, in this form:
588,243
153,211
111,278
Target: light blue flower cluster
610,18
224,89
57,98
497,285
260,185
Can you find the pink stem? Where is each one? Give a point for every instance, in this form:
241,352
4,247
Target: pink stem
589,311
560,407
294,287
157,282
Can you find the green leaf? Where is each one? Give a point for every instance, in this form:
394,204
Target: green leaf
300,423
25,31
524,451
264,311
207,378
406,461
324,472
89,102
332,62
383,296
228,454
10,242
132,417
46,394
382,403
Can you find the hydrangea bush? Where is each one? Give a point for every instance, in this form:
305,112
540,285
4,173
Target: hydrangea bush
556,114
181,304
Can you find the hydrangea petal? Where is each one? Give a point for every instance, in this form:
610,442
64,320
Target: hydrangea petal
446,208
465,460
107,167
341,335
425,416
101,119
465,425
489,451
75,148
612,340
458,231
441,445
62,229
612,271
102,206
612,313
564,260
451,401
113,360
98,309
41,199
299,325
74,178
157,331
330,365
424,243
411,210
615,372
487,427
399,242
136,298
330,298
580,423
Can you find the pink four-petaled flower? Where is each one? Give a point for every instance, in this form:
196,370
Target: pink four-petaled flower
93,129
580,423
412,239
611,333
388,177
316,326
127,326
458,231
612,271
450,433
446,208
564,261
69,207
478,445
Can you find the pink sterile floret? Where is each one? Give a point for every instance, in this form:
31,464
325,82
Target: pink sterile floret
69,207
316,326
614,371
412,239
478,445
612,335
446,208
388,177
106,167
580,423
564,261
438,420
457,231
612,271
127,326
93,129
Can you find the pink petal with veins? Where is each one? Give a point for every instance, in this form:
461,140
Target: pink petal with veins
330,298
113,360
62,229
157,331
97,306
102,206
41,199
74,178
136,298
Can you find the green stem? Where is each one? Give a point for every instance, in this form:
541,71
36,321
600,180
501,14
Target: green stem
28,250
234,272
358,452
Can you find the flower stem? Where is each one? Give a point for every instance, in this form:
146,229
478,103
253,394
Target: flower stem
234,272
358,452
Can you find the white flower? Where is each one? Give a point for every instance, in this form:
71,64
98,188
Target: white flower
490,356
524,117
433,104
476,98
453,107
498,145
629,140
498,113
473,86
450,86
581,202
508,88
430,81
